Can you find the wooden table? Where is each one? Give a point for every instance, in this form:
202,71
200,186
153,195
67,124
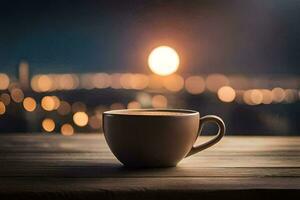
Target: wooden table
49,166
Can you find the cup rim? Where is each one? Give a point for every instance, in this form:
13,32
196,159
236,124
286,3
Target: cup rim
124,112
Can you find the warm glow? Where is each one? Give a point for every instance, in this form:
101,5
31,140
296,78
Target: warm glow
133,105
80,119
139,81
290,95
56,102
17,95
4,81
144,99
253,97
278,94
155,81
5,98
134,81
29,104
34,83
159,101
48,103
173,83
101,80
195,84
2,108
246,97
44,83
163,60
226,94
256,96
48,125
67,82
125,80
67,130
267,96
115,81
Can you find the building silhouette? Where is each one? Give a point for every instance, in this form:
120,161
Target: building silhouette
23,74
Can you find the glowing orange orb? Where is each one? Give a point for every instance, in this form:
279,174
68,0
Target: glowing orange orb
163,60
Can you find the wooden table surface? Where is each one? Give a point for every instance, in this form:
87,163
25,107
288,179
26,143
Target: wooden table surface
49,166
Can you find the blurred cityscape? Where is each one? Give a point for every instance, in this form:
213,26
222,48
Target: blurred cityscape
72,103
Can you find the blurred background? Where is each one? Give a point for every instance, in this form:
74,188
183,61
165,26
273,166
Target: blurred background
63,63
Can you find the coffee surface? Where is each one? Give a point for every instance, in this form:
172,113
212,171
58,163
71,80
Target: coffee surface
156,113
153,113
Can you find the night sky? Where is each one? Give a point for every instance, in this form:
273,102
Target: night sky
248,37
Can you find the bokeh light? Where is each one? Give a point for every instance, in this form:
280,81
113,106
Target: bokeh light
139,81
13,85
144,99
101,80
34,83
115,81
2,108
290,95
29,104
155,82
48,125
44,83
56,102
133,105
17,95
173,83
48,103
195,84
153,90
67,130
159,101
256,96
226,94
68,82
125,80
247,98
267,96
163,60
80,119
278,94
4,81
5,98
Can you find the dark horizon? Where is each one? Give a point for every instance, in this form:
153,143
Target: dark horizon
211,36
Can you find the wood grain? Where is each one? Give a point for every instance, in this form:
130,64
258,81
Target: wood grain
81,166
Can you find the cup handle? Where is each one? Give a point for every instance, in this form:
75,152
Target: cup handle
216,139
